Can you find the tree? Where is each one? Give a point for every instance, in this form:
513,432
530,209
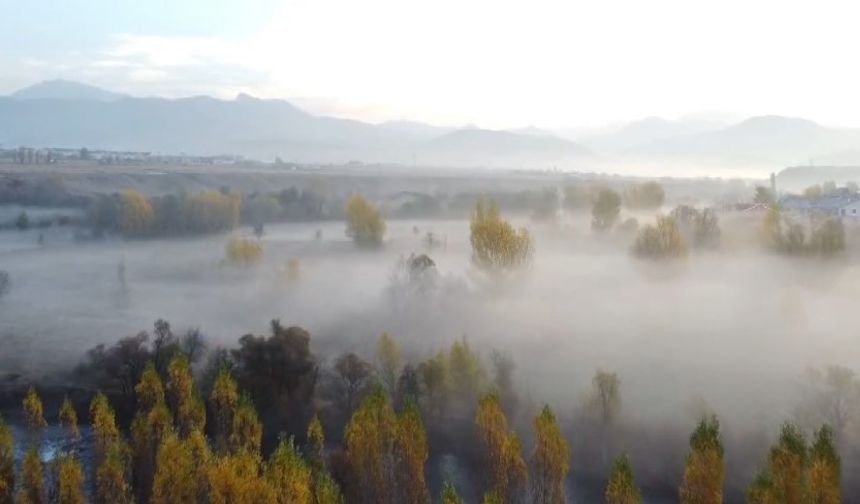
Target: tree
149,390
355,374
449,495
788,463
824,469
831,396
246,432
112,476
550,460
236,479
136,214
70,481
763,196
660,241
148,429
465,372
33,412
103,421
605,399
69,419
174,480
289,475
435,381
622,488
22,222
506,471
828,237
223,398
761,490
388,356
605,211
701,228
187,405
243,251
316,442
7,463
32,490
704,471
644,196
497,247
412,452
370,438
364,222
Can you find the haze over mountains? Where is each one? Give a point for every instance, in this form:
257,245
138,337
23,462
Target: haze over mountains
70,114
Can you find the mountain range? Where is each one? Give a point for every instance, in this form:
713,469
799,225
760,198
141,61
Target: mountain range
70,114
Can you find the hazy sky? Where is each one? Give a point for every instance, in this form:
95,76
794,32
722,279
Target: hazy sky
495,63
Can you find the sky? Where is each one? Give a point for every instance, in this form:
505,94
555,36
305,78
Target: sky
493,63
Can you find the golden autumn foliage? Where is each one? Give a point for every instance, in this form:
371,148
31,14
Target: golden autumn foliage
147,432
211,211
788,461
70,481
7,463
364,223
223,399
246,431
550,460
622,488
149,390
180,474
189,409
236,479
136,214
316,441
370,436
112,476
243,251
103,421
33,412
32,486
507,473
824,469
496,245
762,491
412,453
704,471
69,419
289,475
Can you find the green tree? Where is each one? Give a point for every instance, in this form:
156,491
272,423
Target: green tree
449,495
605,211
364,223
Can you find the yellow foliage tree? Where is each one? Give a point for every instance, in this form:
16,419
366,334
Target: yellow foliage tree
449,495
33,412
762,490
704,472
412,453
190,411
364,223
788,462
136,214
69,419
497,246
32,489
112,476
223,398
180,470
824,469
370,437
316,442
246,431
550,460
7,463
621,488
149,390
289,475
147,432
507,473
70,481
103,421
243,251
236,479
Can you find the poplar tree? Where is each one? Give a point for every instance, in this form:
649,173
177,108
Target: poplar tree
370,437
550,460
7,463
704,471
69,419
223,399
621,488
70,481
412,453
788,464
824,469
32,490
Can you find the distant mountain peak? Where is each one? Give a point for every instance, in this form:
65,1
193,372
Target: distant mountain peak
60,89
